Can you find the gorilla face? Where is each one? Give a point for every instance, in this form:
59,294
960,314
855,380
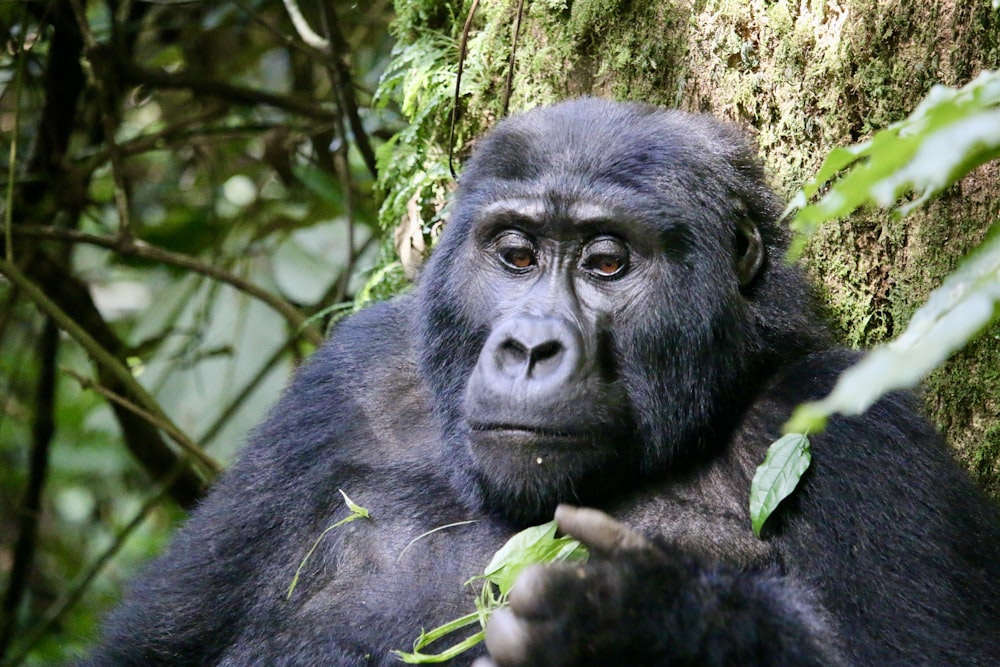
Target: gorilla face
544,405
586,313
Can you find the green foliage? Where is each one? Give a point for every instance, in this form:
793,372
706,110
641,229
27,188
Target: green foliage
413,163
531,546
954,313
231,166
786,462
950,133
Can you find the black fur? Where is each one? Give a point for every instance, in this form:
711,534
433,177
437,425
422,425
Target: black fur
651,395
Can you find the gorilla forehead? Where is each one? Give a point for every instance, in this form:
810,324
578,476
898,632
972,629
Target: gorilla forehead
591,142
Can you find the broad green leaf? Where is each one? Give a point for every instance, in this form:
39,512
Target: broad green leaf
964,304
787,460
951,132
531,546
537,544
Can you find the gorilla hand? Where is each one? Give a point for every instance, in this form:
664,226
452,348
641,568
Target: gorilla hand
584,613
638,602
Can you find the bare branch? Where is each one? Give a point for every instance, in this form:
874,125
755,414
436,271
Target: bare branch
135,74
139,248
71,597
104,359
303,28
42,431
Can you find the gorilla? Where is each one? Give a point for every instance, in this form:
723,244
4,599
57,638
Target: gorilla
606,326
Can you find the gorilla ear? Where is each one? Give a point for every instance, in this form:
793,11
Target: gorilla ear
749,251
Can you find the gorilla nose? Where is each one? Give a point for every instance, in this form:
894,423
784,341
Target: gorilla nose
535,349
517,356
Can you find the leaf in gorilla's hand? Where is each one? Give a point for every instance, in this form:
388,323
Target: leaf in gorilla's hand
532,546
537,544
787,460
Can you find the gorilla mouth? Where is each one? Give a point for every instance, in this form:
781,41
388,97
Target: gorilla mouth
540,432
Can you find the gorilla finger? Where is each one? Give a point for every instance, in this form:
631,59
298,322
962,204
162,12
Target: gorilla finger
507,638
545,591
599,531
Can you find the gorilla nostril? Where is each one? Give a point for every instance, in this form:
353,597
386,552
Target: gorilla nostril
511,351
544,356
546,350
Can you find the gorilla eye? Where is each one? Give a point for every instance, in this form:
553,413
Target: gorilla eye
605,257
516,251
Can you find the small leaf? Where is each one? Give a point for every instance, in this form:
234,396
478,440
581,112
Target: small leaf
787,460
357,512
965,303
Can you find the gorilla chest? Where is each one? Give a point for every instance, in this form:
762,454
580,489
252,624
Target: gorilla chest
393,578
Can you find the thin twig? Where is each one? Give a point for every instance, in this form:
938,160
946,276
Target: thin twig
43,428
139,248
109,114
12,165
462,47
135,74
508,85
106,360
240,399
345,88
302,27
316,56
166,426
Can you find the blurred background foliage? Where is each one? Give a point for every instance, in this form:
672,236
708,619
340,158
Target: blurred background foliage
191,183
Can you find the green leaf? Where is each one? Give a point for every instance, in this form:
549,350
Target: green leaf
357,512
951,132
537,544
963,305
787,460
531,546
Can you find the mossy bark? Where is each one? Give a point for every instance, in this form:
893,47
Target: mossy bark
802,76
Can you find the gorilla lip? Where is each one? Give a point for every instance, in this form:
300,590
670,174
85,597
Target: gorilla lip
544,432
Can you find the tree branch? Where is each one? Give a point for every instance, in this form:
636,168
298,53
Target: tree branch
303,28
68,302
345,88
137,248
135,74
67,601
42,431
63,84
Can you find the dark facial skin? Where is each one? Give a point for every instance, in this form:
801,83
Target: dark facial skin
544,405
